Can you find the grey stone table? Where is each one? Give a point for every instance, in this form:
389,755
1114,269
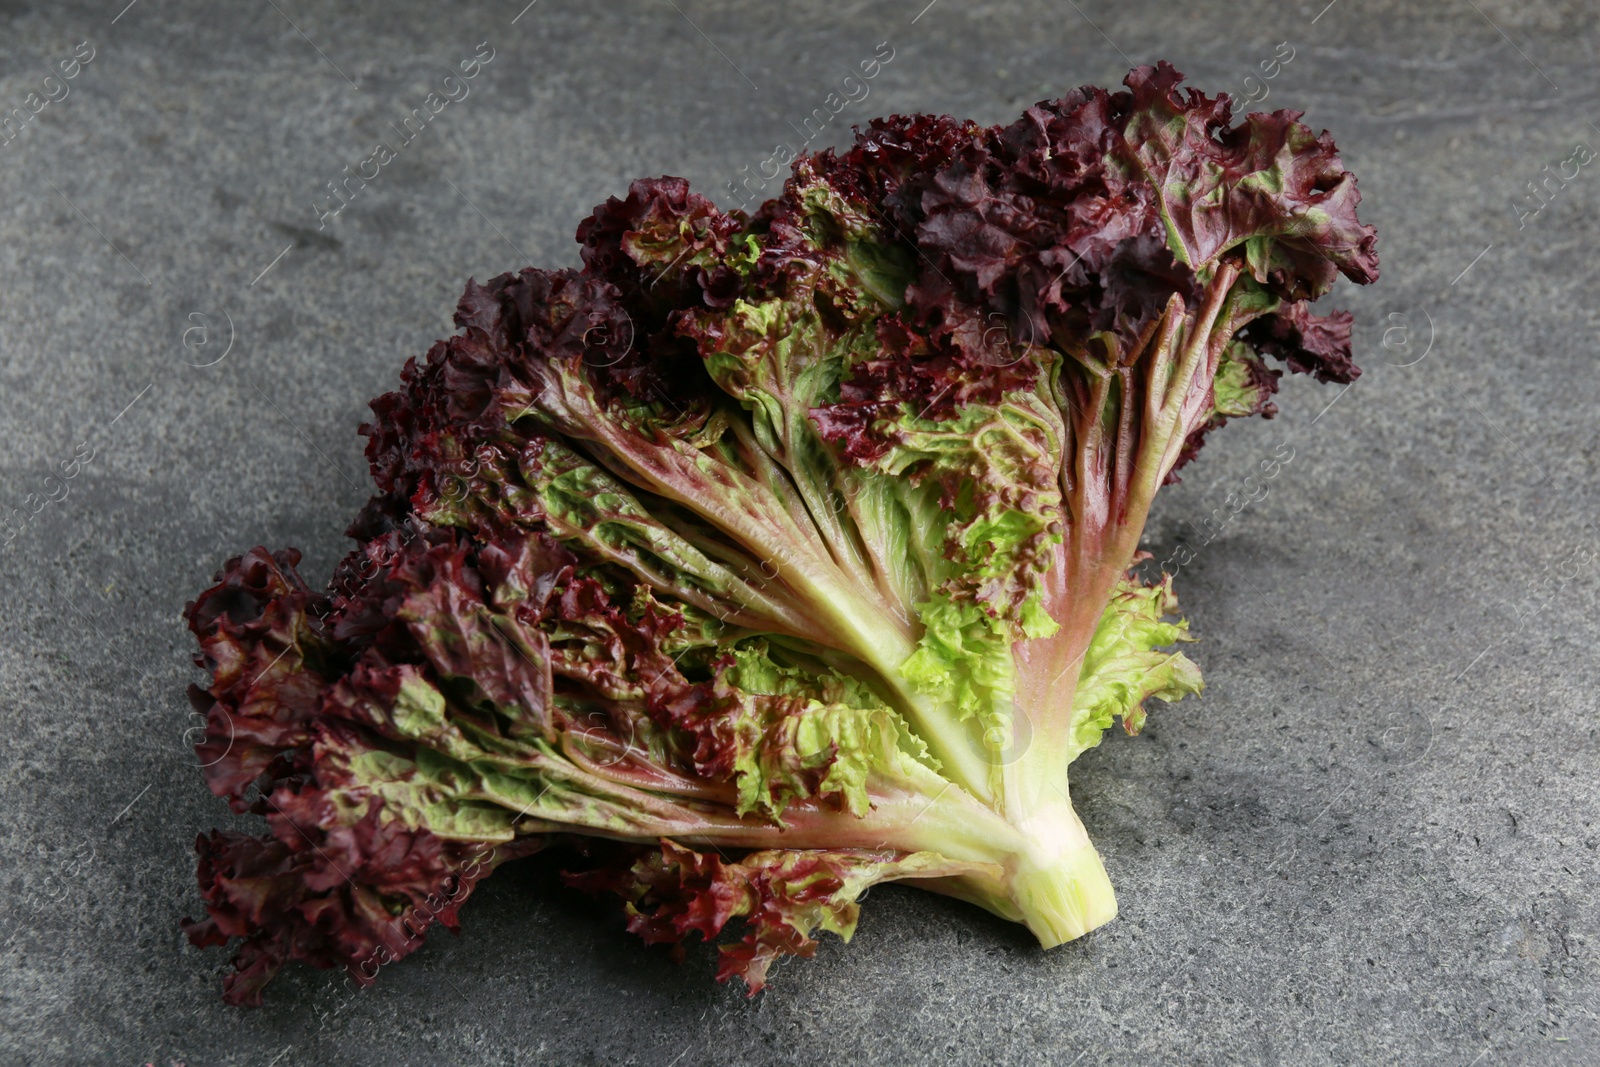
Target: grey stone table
1373,841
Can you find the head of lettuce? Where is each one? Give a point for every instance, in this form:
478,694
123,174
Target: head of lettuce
770,557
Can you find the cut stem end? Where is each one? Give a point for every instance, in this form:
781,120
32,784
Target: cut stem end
1065,896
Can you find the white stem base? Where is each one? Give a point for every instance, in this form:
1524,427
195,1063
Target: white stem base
1064,896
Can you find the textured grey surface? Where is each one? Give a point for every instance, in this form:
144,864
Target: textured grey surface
1373,841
